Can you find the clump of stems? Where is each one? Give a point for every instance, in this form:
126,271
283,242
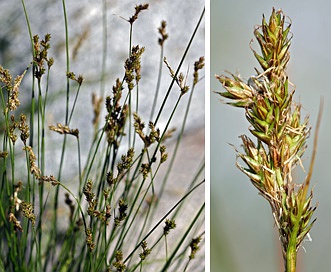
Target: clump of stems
105,216
280,133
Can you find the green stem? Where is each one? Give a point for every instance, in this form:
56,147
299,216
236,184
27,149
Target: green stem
179,138
163,218
291,255
179,66
32,109
180,243
157,84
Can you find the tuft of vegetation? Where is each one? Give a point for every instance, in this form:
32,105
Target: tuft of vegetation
107,216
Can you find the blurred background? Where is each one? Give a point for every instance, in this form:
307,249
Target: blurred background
243,236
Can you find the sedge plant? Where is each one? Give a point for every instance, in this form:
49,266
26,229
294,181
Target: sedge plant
280,135
112,219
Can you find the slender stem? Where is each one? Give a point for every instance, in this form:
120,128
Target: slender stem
32,108
179,244
177,144
158,84
163,218
179,66
291,254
